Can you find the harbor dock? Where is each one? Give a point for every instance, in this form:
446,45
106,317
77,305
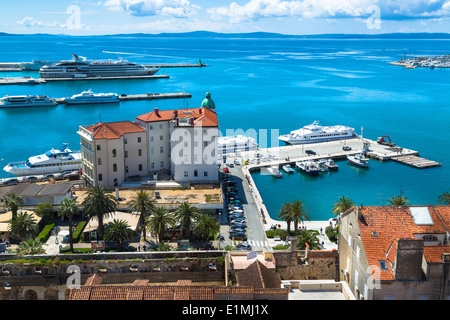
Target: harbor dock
29,80
289,154
147,96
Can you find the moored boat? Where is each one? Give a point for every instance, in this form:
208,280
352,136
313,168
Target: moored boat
359,160
88,97
26,101
331,164
288,169
315,133
274,171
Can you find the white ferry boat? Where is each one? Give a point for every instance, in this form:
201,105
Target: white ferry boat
233,144
53,161
88,97
80,67
26,101
314,133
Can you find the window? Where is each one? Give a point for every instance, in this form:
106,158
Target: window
350,244
152,150
126,154
162,164
140,167
152,165
115,167
205,143
100,177
205,173
126,169
139,139
116,182
161,150
99,161
195,173
186,174
98,147
125,141
161,138
114,153
151,127
139,152
151,139
383,265
357,251
161,126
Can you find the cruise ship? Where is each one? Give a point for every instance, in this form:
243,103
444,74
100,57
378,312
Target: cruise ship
233,144
80,67
26,101
88,97
53,161
314,133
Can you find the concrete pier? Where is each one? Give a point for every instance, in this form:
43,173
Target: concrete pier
29,80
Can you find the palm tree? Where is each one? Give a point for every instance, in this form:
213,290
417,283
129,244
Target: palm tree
143,203
68,208
23,225
298,213
286,215
159,222
99,203
30,247
118,230
398,201
44,210
445,198
342,205
206,226
308,237
13,202
186,215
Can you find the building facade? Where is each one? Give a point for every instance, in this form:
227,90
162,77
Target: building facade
396,252
180,144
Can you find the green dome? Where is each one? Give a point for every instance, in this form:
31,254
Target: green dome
208,102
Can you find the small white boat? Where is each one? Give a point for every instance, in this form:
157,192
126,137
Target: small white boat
359,160
88,97
331,164
322,166
310,167
288,169
274,171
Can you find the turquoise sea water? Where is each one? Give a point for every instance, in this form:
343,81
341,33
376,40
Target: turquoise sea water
257,84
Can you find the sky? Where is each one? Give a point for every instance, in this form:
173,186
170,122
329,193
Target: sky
84,17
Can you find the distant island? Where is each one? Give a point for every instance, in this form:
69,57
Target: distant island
209,34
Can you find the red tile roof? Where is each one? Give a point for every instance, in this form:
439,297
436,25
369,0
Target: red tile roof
202,116
113,130
392,223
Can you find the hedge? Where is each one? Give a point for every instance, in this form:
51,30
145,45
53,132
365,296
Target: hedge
278,232
78,231
45,233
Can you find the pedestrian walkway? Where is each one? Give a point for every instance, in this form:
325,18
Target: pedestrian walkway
55,241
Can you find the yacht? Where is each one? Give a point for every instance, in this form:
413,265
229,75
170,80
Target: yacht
80,67
331,164
274,171
26,101
310,167
233,144
359,160
321,165
288,169
87,97
314,133
53,161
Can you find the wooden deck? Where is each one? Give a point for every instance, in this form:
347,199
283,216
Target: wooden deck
417,162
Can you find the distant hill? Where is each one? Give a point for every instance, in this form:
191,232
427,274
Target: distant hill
209,34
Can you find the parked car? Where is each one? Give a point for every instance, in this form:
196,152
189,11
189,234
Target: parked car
30,179
231,165
238,224
346,148
238,235
71,175
11,182
243,246
310,152
226,170
236,229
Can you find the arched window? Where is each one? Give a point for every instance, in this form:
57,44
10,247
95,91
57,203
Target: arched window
114,153
115,167
116,182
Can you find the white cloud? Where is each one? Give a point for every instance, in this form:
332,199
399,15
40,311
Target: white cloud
257,9
173,8
29,22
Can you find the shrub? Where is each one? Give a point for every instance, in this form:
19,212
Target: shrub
331,233
45,233
278,232
78,231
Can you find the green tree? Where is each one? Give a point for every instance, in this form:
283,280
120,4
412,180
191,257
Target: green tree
68,208
186,214
142,202
101,204
398,201
13,202
159,222
30,247
445,198
308,237
206,226
342,205
285,214
298,213
44,210
23,225
118,230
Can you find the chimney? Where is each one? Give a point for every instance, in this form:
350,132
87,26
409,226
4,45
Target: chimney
157,111
408,259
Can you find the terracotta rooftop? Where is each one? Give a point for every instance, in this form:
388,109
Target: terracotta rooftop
113,130
258,276
203,117
382,226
